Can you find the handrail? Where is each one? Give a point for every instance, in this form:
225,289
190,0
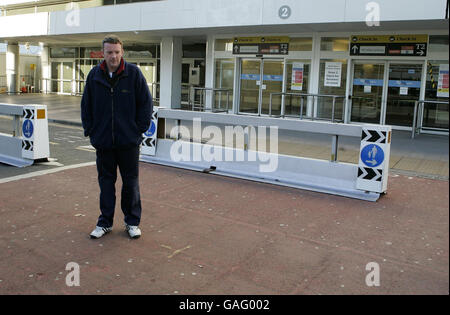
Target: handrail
201,105
302,95
418,107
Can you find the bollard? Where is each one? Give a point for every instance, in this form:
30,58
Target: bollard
149,142
29,139
35,143
373,166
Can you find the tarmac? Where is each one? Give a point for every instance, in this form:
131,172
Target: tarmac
206,234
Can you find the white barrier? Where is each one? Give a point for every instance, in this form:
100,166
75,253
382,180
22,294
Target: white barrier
29,139
365,181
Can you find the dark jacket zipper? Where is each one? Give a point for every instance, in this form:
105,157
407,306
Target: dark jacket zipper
112,114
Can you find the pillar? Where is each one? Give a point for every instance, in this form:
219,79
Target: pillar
12,68
170,72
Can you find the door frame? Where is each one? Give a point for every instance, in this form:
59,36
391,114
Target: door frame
384,95
384,90
261,82
384,107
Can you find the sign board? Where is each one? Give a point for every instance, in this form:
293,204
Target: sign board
389,45
148,146
333,72
268,45
442,90
373,166
297,76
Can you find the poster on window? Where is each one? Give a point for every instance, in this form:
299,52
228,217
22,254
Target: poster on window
297,76
442,90
333,71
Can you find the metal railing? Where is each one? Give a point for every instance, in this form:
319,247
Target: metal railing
308,96
200,105
417,125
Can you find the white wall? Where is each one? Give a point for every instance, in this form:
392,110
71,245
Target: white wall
179,14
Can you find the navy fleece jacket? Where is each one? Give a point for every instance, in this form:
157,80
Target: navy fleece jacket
116,112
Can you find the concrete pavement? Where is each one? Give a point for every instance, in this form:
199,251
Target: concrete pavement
207,234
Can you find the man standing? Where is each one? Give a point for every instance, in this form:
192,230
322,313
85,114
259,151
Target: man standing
115,110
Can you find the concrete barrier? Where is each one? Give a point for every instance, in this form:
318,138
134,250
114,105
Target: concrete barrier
366,180
29,139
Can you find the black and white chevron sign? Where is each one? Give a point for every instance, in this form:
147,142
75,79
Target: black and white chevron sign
373,136
28,113
27,145
370,173
149,142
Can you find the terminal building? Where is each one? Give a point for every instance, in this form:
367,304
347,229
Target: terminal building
351,61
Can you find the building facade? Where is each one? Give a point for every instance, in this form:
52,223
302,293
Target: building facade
352,61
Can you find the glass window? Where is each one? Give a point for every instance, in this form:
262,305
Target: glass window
297,81
224,78
300,44
436,115
62,52
334,44
332,81
438,43
224,44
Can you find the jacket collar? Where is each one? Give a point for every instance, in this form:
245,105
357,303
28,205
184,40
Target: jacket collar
119,70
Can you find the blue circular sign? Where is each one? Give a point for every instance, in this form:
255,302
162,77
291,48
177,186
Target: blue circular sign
27,128
372,155
150,130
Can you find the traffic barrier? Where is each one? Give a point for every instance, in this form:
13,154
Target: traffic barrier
366,180
29,140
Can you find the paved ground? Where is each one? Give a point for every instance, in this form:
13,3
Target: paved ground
207,234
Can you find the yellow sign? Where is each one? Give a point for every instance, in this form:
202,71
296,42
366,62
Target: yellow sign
40,114
32,66
261,39
408,38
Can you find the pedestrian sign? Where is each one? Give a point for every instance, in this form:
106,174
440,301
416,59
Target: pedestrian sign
151,130
27,128
372,155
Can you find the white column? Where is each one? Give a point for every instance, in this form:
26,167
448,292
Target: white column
315,70
209,69
170,72
45,71
12,68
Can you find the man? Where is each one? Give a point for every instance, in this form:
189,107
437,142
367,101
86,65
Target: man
115,110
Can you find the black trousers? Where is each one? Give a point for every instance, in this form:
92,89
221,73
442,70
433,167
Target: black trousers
128,162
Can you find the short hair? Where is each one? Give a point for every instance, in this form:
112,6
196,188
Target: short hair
111,39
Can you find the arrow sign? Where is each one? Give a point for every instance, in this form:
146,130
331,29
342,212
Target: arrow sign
27,145
355,49
370,173
373,136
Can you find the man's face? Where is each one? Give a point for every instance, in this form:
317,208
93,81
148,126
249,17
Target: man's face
113,54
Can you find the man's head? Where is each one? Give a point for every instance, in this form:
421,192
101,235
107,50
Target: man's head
112,51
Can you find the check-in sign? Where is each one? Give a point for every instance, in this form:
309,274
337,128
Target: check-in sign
389,45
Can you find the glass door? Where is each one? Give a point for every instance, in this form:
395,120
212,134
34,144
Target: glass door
367,92
272,83
249,86
67,78
260,78
403,92
57,71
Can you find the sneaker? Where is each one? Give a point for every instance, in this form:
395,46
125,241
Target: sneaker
100,231
133,231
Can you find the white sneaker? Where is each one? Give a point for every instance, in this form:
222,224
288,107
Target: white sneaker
100,231
133,230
